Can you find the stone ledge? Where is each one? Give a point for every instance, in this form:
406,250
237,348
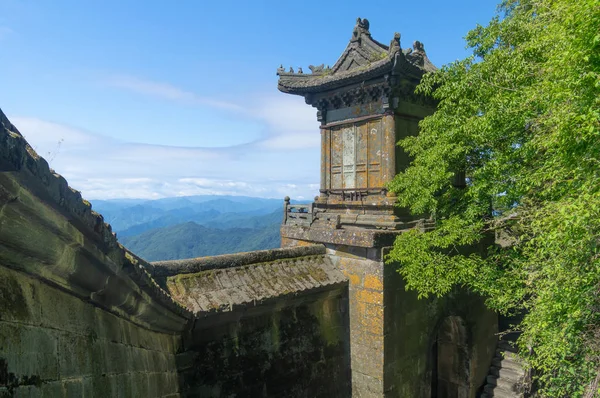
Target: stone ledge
231,288
350,237
193,265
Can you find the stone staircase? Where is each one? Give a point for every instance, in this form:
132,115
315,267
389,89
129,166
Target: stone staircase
506,374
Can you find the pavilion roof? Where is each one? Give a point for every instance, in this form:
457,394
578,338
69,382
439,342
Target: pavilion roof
363,59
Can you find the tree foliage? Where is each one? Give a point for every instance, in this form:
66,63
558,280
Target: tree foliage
521,119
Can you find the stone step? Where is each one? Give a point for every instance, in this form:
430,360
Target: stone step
509,385
500,392
506,354
502,381
507,364
506,346
507,373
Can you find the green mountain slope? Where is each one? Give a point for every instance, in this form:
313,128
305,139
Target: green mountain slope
193,240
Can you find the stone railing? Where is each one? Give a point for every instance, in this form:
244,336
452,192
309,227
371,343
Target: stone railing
354,194
297,214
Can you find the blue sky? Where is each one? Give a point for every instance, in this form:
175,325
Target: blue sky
150,99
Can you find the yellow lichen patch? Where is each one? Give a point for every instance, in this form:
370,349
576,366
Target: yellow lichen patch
373,282
353,278
367,296
372,325
374,311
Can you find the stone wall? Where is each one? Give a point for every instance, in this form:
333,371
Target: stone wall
400,344
364,270
79,315
293,349
54,344
269,323
419,347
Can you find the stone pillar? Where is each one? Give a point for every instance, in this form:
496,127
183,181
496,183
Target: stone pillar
364,269
388,148
324,156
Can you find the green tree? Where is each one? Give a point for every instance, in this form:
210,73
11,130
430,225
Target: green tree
520,119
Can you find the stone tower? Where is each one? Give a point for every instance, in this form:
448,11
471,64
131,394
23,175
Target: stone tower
365,105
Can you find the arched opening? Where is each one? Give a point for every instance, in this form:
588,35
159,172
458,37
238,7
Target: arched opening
450,360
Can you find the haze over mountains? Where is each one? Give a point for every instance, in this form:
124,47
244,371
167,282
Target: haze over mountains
193,226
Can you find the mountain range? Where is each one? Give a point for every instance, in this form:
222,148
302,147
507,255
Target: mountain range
193,226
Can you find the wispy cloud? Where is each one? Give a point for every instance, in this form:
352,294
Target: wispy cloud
102,167
168,92
289,123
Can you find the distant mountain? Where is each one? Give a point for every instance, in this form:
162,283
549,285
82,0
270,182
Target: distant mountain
193,240
168,220
133,216
193,226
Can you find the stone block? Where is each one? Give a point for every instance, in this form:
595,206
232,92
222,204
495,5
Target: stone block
73,388
53,389
368,296
353,279
27,392
365,386
107,326
18,297
29,351
76,355
373,282
65,312
367,360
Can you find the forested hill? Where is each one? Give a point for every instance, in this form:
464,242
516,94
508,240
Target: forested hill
193,240
194,226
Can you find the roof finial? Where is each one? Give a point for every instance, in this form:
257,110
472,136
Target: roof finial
362,27
363,23
418,46
316,69
395,43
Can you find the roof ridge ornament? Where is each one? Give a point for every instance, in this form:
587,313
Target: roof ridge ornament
418,46
361,27
395,43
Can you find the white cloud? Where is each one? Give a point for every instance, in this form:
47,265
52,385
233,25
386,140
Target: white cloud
103,167
167,91
47,134
291,141
286,112
290,123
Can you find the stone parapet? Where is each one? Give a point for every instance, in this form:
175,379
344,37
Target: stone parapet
351,236
49,232
231,282
192,265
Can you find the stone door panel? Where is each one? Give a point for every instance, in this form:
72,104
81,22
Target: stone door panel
355,153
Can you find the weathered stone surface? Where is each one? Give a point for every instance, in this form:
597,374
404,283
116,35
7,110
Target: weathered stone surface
191,265
288,350
233,286
53,344
48,230
80,316
349,237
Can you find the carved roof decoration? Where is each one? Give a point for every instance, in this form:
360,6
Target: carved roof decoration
363,59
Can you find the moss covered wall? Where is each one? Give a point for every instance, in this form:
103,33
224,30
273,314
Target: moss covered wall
287,349
415,328
53,344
